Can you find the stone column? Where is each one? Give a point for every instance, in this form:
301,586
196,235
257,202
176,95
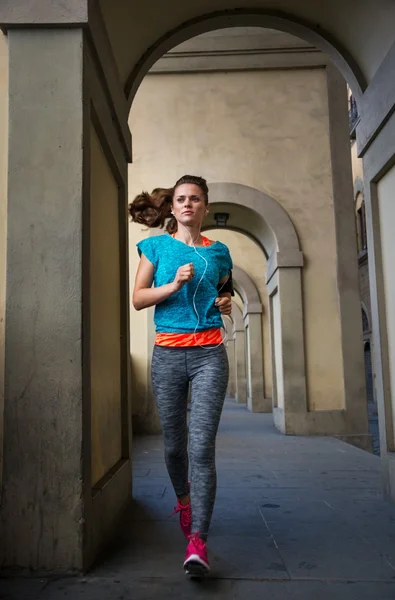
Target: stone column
287,343
232,367
229,345
66,412
240,360
256,400
376,144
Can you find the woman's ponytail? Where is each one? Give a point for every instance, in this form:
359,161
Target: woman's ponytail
153,210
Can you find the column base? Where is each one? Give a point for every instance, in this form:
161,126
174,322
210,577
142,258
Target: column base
260,405
362,441
333,423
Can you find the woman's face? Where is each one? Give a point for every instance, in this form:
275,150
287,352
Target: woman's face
189,206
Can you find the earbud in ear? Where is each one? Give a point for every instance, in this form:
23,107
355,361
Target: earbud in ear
207,211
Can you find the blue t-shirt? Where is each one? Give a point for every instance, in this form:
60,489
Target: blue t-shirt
176,314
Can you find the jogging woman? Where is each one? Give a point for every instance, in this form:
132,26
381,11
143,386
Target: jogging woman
192,289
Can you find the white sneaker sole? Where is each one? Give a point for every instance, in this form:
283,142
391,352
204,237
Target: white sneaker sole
196,567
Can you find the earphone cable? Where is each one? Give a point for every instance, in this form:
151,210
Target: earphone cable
225,338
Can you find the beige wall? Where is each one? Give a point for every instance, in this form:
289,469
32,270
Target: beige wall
3,215
105,315
268,130
386,197
247,255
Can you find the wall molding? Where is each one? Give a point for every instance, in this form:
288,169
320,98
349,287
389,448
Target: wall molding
233,59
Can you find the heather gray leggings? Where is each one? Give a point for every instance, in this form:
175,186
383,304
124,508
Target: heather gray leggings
207,370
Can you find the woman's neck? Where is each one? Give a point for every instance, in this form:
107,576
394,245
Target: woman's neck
189,235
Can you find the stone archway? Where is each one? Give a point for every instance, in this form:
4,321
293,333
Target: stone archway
259,216
270,19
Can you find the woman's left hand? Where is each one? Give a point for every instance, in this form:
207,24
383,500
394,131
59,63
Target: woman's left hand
224,305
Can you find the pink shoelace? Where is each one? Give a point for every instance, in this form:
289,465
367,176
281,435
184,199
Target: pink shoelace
199,544
185,516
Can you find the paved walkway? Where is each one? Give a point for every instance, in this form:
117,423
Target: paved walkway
295,518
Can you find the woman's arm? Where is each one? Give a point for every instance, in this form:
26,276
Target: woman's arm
144,295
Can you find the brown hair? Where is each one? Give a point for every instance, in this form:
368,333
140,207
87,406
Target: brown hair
154,209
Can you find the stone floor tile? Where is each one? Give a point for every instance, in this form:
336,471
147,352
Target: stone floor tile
21,589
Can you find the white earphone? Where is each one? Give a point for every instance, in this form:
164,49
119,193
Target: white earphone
224,339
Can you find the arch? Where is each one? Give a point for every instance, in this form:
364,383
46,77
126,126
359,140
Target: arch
247,289
270,19
263,218
266,221
238,323
358,187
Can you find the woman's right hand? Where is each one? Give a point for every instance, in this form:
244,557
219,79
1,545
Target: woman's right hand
183,275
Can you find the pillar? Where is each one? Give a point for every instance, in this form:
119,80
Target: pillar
67,473
240,362
3,220
232,367
376,145
230,350
256,401
287,344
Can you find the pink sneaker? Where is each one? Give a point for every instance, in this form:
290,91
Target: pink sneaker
185,517
196,561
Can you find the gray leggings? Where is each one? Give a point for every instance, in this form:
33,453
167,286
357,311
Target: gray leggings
207,370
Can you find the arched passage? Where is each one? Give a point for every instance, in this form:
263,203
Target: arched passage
262,218
282,21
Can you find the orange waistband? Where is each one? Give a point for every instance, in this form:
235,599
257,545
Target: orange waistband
200,338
